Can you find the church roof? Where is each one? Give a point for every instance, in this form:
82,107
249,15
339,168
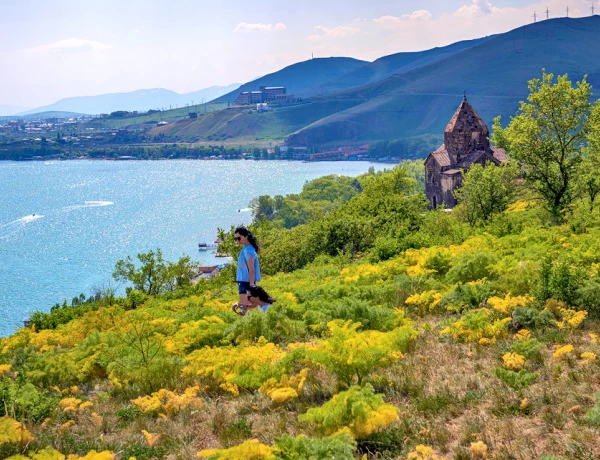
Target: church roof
499,154
441,156
466,119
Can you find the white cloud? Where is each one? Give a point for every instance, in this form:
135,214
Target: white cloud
395,21
336,32
476,9
70,44
257,27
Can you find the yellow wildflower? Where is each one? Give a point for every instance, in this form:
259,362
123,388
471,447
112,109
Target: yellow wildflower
13,431
513,361
69,404
523,334
571,319
167,402
560,351
594,337
65,426
478,449
588,357
250,450
524,404
5,368
93,455
47,454
422,452
85,405
507,304
151,438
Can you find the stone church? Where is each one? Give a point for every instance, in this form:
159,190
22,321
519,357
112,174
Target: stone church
466,141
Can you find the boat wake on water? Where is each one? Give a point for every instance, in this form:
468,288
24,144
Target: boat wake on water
89,204
13,227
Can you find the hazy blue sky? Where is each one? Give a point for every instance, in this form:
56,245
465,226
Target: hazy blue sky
61,48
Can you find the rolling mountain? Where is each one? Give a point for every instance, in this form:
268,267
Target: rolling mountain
303,79
141,100
494,73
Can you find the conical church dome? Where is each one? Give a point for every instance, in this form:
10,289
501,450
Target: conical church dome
466,132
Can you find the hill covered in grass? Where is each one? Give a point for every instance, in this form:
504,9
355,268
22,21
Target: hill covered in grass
398,332
492,72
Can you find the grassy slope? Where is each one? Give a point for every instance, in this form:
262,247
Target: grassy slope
445,390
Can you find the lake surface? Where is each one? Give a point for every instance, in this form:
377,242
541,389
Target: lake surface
64,224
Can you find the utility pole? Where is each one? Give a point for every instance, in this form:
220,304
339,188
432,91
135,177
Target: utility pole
534,16
567,11
547,13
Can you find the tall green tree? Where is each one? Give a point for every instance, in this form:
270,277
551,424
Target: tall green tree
589,175
154,275
486,192
547,136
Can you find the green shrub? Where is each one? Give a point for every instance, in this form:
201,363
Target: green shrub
530,318
340,446
471,266
515,380
593,415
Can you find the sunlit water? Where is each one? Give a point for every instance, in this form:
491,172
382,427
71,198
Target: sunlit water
64,224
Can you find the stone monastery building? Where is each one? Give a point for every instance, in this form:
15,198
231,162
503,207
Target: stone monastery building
466,141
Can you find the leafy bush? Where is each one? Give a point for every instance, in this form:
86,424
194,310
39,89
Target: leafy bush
466,296
532,318
340,446
593,415
515,380
360,410
471,266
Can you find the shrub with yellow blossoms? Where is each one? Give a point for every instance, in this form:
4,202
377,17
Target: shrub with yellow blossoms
230,367
561,351
507,304
93,455
513,361
588,357
476,325
249,450
426,301
359,410
287,389
571,319
422,452
5,369
478,449
12,431
168,402
351,354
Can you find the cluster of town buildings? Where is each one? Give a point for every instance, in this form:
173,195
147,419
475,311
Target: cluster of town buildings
265,95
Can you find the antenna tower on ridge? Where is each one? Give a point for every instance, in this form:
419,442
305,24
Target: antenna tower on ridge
547,13
567,11
534,16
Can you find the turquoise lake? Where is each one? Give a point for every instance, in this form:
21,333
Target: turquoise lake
64,224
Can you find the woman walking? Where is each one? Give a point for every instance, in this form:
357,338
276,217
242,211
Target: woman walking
248,269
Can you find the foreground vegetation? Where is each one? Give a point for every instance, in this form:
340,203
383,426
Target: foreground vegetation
398,332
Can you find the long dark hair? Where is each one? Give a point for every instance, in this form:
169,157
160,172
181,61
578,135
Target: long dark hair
261,294
251,238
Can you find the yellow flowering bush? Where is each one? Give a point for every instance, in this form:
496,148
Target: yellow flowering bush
287,389
168,402
250,450
350,354
5,369
513,361
422,452
195,334
13,431
571,319
93,455
150,438
70,404
230,367
523,334
475,325
561,351
507,304
588,357
426,301
359,410
478,449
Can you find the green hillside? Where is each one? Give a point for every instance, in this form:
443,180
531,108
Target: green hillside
302,79
246,124
493,73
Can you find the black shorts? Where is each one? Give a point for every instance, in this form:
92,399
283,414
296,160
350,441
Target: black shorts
243,286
